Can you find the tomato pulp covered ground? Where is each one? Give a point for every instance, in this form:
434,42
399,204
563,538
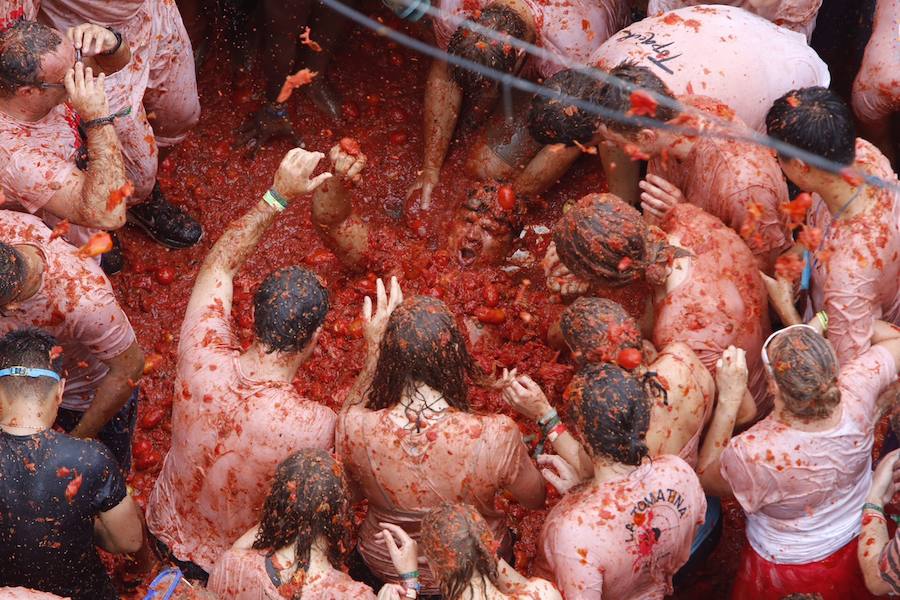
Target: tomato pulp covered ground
508,310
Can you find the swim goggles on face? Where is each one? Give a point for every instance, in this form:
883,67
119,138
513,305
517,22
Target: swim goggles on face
29,372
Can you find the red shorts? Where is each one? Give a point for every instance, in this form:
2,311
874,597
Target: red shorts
835,577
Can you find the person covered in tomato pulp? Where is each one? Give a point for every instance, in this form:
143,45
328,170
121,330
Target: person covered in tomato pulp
50,284
301,541
59,495
401,430
627,530
566,33
236,415
803,473
159,81
849,262
481,231
736,181
56,121
605,243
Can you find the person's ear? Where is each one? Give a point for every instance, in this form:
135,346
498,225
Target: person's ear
60,389
647,138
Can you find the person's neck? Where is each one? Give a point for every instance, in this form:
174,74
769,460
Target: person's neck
836,193
260,365
23,111
807,424
318,558
481,587
420,394
680,147
34,271
27,416
606,469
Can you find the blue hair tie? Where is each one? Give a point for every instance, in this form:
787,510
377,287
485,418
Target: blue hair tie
29,372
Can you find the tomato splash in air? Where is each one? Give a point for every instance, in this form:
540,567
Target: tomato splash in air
292,82
98,244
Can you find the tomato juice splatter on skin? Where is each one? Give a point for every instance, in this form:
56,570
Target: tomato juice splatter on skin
383,108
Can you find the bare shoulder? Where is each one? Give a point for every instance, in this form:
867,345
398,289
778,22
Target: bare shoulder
680,364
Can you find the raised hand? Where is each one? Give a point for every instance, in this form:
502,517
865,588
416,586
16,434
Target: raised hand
86,93
292,178
375,324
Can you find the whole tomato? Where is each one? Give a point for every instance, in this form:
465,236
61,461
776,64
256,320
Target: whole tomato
164,275
630,358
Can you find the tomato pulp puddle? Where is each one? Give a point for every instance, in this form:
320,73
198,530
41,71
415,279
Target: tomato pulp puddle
382,86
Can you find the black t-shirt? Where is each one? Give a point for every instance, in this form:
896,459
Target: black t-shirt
51,487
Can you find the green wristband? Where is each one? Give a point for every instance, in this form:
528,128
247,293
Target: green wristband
875,507
275,200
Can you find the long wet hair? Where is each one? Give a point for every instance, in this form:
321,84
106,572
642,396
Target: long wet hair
605,240
806,371
598,329
611,409
456,541
422,344
310,497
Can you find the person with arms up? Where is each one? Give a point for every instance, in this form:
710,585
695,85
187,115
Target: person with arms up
160,81
59,495
409,439
853,271
47,283
802,474
236,415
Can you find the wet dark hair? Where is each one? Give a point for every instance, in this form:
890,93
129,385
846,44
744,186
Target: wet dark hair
290,304
817,120
616,97
611,408
554,120
32,348
806,370
456,541
483,50
422,344
22,46
12,273
598,329
310,497
605,240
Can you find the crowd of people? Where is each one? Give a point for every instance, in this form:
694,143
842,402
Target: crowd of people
761,234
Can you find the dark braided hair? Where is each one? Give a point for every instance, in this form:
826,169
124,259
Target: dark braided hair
611,408
422,344
605,240
456,541
310,497
806,370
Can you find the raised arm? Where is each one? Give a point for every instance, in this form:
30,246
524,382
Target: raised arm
105,50
84,197
874,538
373,330
292,181
545,169
443,100
731,380
332,208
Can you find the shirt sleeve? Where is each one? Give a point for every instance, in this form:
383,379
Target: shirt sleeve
108,484
100,325
851,299
749,485
32,176
864,378
506,452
